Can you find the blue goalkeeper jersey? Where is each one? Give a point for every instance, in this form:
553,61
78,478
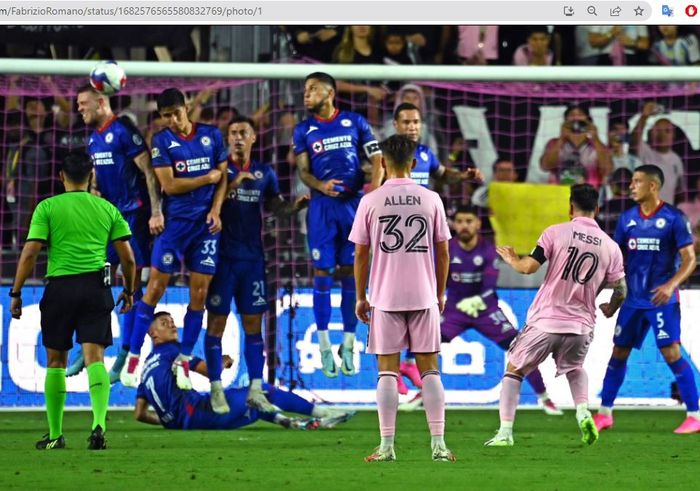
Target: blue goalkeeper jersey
241,213
158,386
189,156
334,146
650,245
426,165
112,149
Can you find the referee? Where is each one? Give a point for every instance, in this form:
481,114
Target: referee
76,227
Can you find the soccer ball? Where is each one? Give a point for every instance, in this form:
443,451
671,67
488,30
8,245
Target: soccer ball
107,77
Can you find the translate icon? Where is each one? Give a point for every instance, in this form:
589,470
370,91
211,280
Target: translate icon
568,11
667,11
615,12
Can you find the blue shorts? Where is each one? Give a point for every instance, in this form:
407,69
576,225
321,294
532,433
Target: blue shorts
243,281
140,237
185,240
633,324
329,222
204,417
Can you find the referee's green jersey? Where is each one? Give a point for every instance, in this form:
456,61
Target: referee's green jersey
77,226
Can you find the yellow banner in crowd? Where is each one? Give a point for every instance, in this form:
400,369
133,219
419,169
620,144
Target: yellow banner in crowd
522,211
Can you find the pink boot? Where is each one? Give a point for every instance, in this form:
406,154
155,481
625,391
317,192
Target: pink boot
410,370
603,421
690,425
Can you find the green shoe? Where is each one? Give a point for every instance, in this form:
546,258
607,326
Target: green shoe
328,365
347,363
588,430
500,440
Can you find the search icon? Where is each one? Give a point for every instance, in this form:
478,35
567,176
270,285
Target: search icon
591,10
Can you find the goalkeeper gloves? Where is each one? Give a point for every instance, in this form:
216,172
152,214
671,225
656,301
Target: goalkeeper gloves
472,305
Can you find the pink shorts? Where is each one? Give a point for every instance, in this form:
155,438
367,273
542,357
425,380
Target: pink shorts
393,332
532,346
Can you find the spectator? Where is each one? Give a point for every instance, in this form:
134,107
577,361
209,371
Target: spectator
316,42
536,51
412,94
659,150
503,171
477,45
427,44
395,48
578,155
618,142
618,200
691,208
675,50
224,115
612,45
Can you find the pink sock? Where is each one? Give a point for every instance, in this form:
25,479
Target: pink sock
434,402
510,395
578,383
387,402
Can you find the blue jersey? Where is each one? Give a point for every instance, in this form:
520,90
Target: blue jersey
189,156
112,149
159,388
334,147
651,244
241,213
426,165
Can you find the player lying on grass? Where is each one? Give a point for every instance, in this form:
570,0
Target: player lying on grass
189,410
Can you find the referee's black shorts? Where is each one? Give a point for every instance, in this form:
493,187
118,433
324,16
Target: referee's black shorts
79,303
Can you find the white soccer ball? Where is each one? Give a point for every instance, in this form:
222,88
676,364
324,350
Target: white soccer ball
107,77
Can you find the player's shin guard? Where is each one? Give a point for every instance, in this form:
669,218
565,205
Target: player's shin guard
434,402
192,328
99,393
614,377
55,397
253,353
129,320
686,383
212,354
143,316
322,301
578,384
387,403
288,401
347,304
510,396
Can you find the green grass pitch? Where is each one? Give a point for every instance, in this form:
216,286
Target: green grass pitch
641,452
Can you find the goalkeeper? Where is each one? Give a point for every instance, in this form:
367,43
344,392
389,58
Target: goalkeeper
471,294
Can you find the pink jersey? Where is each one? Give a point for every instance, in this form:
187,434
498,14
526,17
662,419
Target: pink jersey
401,221
581,257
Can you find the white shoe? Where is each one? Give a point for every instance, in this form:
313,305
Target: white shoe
443,454
129,376
181,369
551,409
500,440
382,455
219,404
335,419
256,399
328,366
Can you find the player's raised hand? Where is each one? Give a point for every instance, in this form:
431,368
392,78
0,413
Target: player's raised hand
607,310
214,222
156,224
362,310
472,174
214,176
662,293
507,253
329,187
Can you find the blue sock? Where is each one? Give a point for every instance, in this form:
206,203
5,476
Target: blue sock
143,316
322,301
614,376
686,383
347,304
128,322
191,330
253,353
212,353
288,401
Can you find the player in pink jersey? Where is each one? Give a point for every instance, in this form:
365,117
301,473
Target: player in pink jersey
582,259
405,228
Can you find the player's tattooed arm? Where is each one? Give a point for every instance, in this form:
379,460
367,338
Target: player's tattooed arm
282,208
618,296
156,224
145,415
326,187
